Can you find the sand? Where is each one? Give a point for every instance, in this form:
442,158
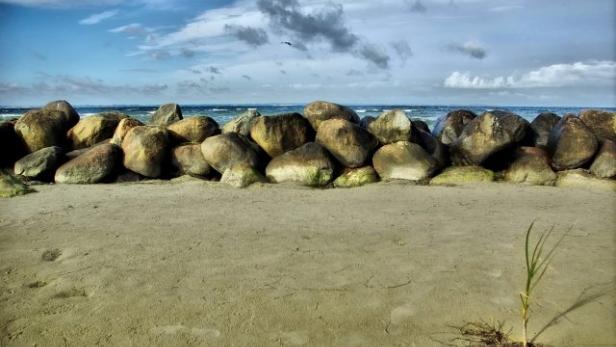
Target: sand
196,263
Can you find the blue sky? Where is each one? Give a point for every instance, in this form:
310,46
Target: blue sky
435,52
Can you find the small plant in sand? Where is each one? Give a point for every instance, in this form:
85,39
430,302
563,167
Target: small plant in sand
537,262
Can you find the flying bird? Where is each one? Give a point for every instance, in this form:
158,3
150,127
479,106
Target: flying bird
287,43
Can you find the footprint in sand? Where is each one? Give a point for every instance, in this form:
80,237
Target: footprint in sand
51,254
401,313
71,293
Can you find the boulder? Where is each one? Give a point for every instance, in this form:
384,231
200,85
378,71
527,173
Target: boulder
602,124
166,114
391,126
241,175
71,117
308,165
319,111
93,129
541,127
531,166
461,175
281,133
192,129
580,178
366,121
11,186
145,150
223,151
432,145
123,127
487,135
188,160
604,165
99,164
350,144
356,177
11,145
571,143
43,128
40,164
449,127
420,125
404,160
242,123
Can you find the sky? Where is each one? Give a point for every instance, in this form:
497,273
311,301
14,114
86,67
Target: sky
412,52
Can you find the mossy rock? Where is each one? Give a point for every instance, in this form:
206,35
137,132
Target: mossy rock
356,177
11,186
461,175
580,178
241,176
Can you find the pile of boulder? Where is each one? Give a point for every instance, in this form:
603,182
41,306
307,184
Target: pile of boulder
327,146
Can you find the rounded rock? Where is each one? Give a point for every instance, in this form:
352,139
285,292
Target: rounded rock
391,126
223,151
404,160
350,144
449,127
308,165
145,150
281,133
531,166
320,111
99,164
193,129
188,160
571,144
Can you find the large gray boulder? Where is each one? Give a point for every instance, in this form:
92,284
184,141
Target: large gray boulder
449,127
71,116
350,144
391,126
166,114
281,133
146,150
193,129
602,123
571,143
242,123
188,160
93,129
44,128
122,128
541,127
40,164
531,166
223,151
487,135
604,165
97,165
319,111
404,160
308,165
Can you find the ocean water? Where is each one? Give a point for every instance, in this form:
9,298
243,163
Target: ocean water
223,113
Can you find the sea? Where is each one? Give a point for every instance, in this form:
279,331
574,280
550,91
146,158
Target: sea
223,113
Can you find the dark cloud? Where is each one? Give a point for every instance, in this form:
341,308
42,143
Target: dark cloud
416,6
374,55
470,49
187,52
284,72
192,87
246,77
195,71
325,24
252,36
403,49
213,69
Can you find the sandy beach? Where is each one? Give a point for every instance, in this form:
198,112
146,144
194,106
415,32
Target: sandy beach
188,262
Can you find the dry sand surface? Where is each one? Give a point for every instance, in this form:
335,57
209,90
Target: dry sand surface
196,263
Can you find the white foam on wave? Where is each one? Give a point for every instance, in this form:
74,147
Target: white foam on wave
360,111
10,115
408,110
218,110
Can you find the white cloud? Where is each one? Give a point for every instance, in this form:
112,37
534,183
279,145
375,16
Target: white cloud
98,17
590,73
